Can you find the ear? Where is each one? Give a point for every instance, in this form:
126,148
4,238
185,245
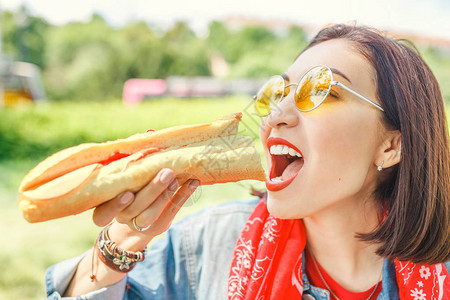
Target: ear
389,152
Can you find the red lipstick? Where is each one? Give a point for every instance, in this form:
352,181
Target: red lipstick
275,165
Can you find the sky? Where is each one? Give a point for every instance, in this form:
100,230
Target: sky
427,17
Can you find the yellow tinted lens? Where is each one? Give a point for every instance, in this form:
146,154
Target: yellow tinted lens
270,93
313,88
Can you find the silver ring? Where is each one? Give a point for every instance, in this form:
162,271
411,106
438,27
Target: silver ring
140,228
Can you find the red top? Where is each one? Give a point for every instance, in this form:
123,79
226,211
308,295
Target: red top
339,291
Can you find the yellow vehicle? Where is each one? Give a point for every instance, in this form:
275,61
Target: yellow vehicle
20,83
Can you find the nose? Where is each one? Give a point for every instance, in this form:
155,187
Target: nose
284,114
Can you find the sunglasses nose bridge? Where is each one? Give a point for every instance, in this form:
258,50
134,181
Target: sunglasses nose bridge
287,104
289,85
288,92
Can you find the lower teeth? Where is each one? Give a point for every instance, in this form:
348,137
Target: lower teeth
277,179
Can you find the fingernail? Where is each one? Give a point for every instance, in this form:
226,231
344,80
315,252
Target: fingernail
173,186
167,176
194,184
126,198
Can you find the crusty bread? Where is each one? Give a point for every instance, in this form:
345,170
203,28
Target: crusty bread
217,155
76,157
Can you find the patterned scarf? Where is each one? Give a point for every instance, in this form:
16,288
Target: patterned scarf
267,264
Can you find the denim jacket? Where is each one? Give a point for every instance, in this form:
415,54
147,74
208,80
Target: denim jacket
191,262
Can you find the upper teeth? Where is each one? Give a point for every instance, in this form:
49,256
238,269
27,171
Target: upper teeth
282,150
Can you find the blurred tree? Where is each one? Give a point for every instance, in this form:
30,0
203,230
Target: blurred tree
234,45
218,37
250,38
291,45
184,53
141,52
79,61
9,34
439,62
24,36
265,54
92,60
255,51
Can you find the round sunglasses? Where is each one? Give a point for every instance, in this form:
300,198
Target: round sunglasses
311,91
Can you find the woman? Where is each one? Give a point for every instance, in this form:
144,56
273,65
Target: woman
357,206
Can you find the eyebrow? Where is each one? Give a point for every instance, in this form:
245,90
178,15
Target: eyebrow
334,70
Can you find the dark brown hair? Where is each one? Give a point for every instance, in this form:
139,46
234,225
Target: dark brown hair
415,192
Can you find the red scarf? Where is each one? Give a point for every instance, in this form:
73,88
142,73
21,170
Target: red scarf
267,264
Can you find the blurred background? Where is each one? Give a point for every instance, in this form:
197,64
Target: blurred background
91,71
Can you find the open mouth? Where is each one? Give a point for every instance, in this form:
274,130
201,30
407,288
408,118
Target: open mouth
287,161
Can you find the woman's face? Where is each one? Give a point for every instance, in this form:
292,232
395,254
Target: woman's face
338,140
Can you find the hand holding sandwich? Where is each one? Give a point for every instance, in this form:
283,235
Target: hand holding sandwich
150,210
156,205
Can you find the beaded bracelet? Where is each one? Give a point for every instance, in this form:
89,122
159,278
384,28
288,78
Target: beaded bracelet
113,256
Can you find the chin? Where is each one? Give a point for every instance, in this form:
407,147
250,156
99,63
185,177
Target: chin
279,209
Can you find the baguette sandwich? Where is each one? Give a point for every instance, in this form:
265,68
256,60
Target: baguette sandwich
81,177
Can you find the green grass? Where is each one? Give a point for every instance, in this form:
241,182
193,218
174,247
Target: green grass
30,133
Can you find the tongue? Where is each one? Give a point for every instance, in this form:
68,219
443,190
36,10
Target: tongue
292,169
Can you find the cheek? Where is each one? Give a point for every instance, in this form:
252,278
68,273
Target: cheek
341,155
344,152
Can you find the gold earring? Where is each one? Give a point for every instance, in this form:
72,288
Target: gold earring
380,167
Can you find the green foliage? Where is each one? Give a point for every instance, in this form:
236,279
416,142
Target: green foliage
256,51
22,36
185,54
92,60
81,59
440,65
9,34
